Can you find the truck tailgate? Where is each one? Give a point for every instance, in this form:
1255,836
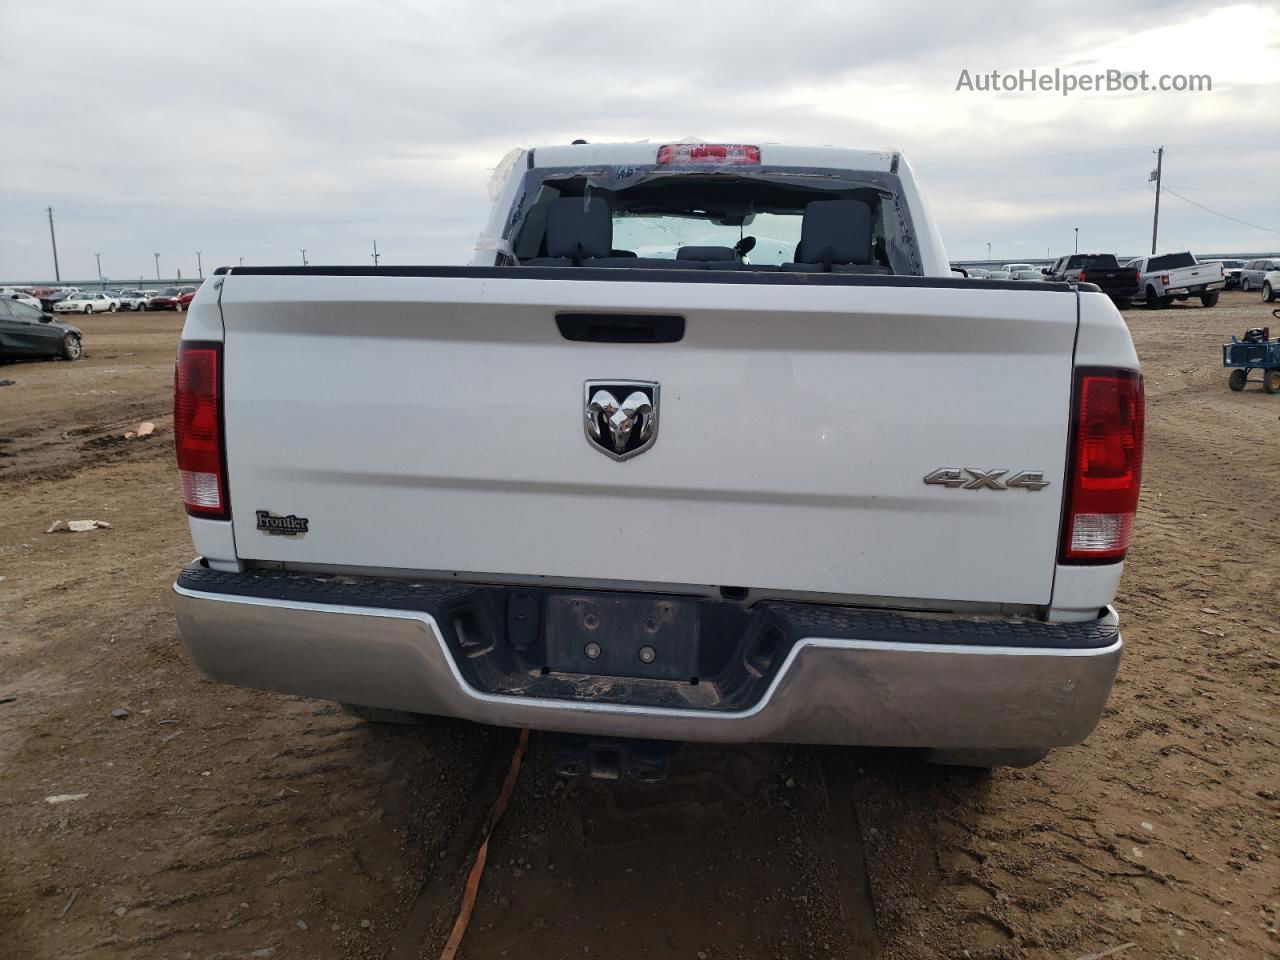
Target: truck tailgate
1190,276
435,423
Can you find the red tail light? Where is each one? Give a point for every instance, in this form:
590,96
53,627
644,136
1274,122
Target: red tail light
680,153
1137,277
197,430
1164,278
1082,276
1105,465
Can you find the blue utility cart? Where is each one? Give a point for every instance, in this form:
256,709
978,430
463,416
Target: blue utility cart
1255,351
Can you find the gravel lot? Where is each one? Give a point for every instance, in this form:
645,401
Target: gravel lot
218,822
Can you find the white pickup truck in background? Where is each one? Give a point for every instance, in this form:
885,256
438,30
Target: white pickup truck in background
1177,276
706,444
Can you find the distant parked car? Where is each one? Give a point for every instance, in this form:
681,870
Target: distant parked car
1015,267
998,275
1176,276
133,299
1231,272
26,333
1121,284
977,273
50,299
1069,266
1031,274
170,299
1271,285
185,298
19,297
87,303
1251,273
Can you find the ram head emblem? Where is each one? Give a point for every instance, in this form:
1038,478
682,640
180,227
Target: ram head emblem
621,416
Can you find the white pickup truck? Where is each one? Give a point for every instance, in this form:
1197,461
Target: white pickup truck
707,443
1177,276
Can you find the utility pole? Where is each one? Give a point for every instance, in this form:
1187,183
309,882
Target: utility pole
988,251
304,256
98,257
242,261
199,265
1077,249
1155,175
157,266
57,274
375,253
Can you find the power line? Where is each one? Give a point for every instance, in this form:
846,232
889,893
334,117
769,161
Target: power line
1218,213
1038,196
1223,146
1251,189
1085,153
423,221
266,193
1030,156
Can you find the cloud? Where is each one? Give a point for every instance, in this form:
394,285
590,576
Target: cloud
257,129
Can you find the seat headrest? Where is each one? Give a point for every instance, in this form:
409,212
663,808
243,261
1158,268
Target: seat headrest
579,227
835,231
706,253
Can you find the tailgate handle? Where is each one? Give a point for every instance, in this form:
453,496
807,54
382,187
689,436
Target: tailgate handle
621,327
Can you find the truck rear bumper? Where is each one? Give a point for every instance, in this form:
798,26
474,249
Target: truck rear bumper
1194,289
846,676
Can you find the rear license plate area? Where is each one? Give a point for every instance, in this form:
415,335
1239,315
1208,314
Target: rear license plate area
620,636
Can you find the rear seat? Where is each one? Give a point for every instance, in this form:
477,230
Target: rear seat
835,237
580,234
711,258
578,229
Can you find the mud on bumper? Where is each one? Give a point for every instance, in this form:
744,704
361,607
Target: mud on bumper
652,666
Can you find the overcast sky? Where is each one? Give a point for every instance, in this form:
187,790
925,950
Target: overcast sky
255,129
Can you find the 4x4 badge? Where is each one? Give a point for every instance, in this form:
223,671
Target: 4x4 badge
971,478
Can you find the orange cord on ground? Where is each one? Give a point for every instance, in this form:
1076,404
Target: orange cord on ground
473,879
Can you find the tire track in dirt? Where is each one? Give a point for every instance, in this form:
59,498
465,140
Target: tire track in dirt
741,851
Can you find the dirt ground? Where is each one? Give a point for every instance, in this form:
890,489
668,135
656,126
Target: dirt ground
225,823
